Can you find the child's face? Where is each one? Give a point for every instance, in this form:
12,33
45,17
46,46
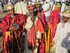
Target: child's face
65,19
31,10
11,11
38,7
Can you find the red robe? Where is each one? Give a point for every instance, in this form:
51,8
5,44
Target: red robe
53,20
41,15
18,18
1,24
32,32
45,25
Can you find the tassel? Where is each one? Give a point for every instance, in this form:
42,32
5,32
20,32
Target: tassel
7,35
47,41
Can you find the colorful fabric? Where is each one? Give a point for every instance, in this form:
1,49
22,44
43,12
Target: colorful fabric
7,23
61,37
34,30
42,17
21,8
53,20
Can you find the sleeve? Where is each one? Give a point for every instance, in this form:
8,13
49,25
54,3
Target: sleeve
28,24
5,25
57,34
45,21
39,26
40,29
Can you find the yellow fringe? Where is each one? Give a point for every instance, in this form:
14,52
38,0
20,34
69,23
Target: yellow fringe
47,41
7,35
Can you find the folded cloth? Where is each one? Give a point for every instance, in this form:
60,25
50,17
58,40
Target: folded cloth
15,25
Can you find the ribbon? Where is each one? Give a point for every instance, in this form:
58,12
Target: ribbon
47,48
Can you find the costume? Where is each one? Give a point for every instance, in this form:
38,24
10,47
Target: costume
45,25
61,34
11,38
42,17
21,8
35,30
34,34
54,20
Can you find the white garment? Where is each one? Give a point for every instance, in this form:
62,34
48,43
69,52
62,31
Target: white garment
63,8
53,7
28,26
51,3
21,8
45,7
61,33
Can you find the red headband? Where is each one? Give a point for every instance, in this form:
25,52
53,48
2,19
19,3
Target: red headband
30,7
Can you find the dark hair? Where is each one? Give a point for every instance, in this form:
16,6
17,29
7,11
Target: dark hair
37,4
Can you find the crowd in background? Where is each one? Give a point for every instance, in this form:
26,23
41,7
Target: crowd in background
5,2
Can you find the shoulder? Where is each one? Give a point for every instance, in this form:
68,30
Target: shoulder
59,24
7,16
68,24
36,18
